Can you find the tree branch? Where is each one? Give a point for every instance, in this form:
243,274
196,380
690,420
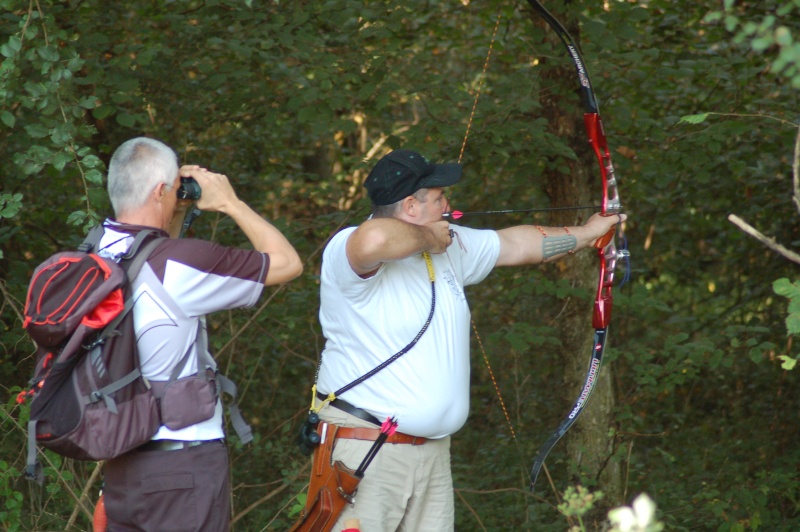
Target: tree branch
796,172
755,233
767,241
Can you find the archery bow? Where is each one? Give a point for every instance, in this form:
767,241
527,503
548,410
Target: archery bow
607,251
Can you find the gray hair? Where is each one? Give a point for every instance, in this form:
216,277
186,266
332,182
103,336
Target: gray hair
389,211
136,168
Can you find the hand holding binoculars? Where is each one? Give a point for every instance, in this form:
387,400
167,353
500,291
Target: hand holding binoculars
189,189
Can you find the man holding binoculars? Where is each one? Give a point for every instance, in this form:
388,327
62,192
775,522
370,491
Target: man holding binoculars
179,480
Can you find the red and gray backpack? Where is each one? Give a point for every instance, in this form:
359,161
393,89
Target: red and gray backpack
89,400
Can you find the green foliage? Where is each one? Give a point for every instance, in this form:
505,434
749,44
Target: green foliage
770,31
791,290
298,506
10,204
578,501
43,108
294,101
12,510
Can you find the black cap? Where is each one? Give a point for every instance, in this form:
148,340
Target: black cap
402,172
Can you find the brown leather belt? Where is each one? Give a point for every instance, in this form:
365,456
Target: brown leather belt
359,433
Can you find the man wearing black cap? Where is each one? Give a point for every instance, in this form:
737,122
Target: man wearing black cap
393,289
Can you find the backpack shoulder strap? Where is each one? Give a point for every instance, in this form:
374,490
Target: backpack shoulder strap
139,255
138,240
132,271
92,239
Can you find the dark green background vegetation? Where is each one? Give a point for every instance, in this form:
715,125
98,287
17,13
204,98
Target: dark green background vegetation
294,100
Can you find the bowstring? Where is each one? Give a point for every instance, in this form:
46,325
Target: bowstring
480,87
460,157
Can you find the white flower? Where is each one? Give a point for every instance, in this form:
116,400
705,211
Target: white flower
622,518
645,509
640,518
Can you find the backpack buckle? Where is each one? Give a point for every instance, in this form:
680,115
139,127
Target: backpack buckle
94,343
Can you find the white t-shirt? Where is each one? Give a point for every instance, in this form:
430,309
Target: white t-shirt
182,280
366,321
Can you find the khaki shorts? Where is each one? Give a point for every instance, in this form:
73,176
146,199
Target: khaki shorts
406,487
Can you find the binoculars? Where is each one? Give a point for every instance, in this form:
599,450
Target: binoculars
189,189
308,438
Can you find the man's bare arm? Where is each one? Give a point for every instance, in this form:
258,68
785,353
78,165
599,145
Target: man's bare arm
218,196
388,239
529,244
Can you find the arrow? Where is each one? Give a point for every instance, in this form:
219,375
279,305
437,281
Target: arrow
455,215
387,429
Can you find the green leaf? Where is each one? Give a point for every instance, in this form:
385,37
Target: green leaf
94,176
12,47
784,287
76,218
788,362
10,205
694,119
783,36
787,8
48,53
793,323
88,102
125,119
103,111
75,64
731,22
91,161
760,44
7,51
37,131
8,119
61,159
715,359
